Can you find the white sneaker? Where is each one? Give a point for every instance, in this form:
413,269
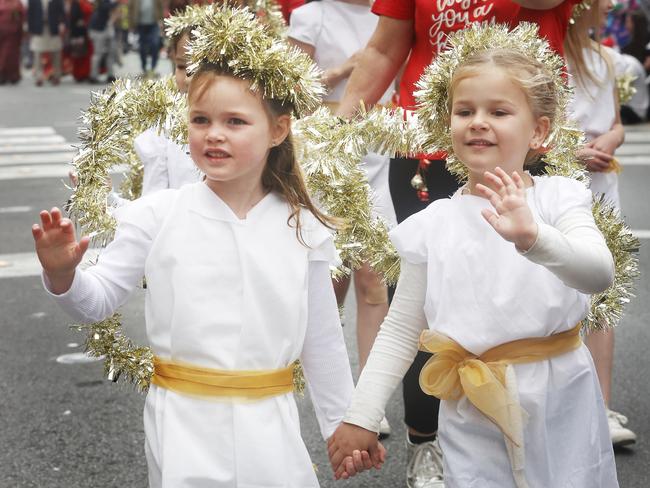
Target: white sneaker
384,428
620,435
424,465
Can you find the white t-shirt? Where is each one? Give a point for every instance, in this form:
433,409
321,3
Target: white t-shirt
337,30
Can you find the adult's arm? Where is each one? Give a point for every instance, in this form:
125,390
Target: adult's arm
380,61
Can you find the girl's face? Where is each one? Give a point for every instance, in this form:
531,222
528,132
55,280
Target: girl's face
604,6
230,133
492,123
179,57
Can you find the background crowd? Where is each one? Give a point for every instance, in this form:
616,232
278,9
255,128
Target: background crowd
87,39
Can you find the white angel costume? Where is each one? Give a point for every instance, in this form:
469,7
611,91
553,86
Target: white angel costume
593,107
228,294
463,280
166,164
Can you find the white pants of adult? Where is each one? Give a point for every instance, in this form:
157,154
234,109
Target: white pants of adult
103,44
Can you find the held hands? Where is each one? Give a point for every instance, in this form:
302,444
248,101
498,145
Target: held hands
57,249
513,219
353,449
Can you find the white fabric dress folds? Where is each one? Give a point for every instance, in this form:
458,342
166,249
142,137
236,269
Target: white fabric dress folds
229,294
479,291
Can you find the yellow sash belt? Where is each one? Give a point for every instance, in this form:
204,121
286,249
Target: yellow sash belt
208,382
453,371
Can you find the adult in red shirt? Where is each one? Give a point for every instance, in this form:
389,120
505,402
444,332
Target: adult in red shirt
412,33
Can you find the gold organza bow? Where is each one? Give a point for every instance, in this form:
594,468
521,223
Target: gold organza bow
453,371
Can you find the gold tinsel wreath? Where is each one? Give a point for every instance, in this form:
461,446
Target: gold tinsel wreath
115,117
625,87
267,12
234,39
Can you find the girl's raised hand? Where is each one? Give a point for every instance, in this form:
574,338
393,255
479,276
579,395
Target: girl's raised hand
57,249
513,219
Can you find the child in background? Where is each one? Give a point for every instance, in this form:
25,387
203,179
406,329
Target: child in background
166,164
499,277
237,268
332,32
595,108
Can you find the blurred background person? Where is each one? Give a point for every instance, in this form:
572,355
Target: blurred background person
77,48
146,17
12,16
102,35
46,25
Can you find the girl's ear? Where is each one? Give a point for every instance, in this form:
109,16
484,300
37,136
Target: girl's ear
280,129
540,133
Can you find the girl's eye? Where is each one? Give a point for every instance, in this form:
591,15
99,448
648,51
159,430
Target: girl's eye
463,112
236,121
199,119
181,67
500,113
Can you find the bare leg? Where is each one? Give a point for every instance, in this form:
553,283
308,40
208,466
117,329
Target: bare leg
341,289
372,307
601,346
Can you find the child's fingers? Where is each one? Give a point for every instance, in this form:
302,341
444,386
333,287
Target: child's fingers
495,183
505,178
375,456
341,471
66,226
84,242
495,199
518,180
46,220
56,215
491,217
37,232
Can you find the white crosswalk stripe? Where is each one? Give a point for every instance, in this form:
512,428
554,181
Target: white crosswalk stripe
34,152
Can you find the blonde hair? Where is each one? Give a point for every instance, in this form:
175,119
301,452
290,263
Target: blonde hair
532,76
282,173
579,42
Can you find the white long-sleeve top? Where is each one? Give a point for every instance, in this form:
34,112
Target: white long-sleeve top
229,294
493,294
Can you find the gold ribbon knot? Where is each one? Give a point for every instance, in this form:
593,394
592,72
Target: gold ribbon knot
453,372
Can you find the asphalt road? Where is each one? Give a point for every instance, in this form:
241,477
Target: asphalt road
64,425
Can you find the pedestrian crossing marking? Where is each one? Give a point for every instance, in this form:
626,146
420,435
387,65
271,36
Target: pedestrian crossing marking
17,131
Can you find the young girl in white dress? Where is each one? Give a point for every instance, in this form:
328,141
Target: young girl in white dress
499,277
237,268
595,109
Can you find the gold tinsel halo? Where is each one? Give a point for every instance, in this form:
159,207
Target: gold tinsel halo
266,11
236,40
434,85
625,87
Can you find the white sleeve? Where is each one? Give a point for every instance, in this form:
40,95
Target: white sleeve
324,355
101,289
394,349
151,149
306,23
575,251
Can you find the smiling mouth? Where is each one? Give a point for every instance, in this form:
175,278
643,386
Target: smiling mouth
217,154
480,143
